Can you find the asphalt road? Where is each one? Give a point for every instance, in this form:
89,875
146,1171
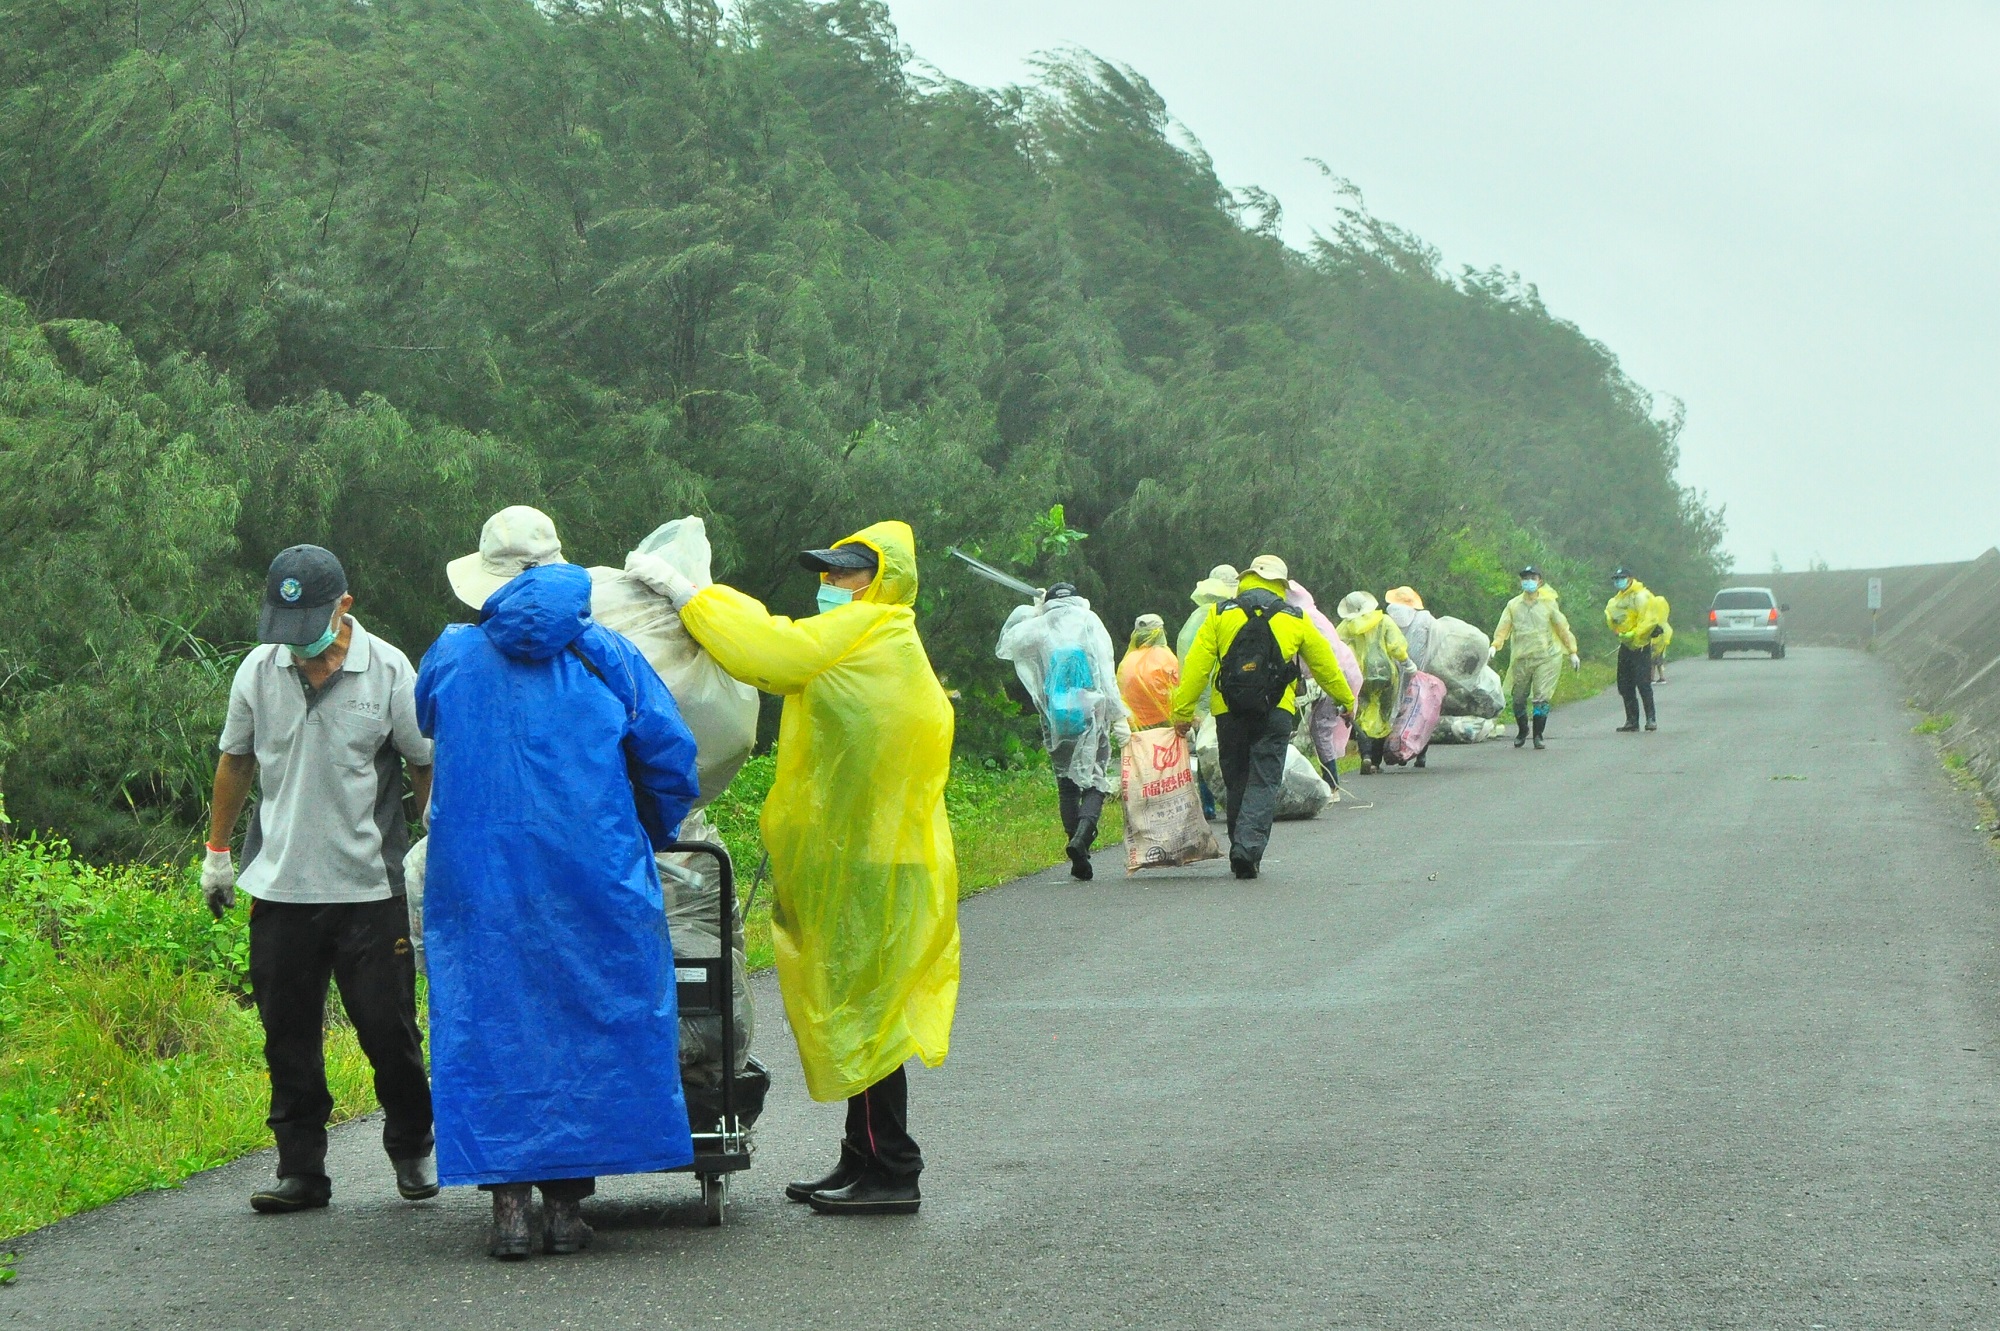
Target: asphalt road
1694,1029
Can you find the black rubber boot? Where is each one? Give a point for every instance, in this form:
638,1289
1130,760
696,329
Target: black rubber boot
874,1193
1521,738
513,1237
1631,716
1242,868
1541,724
844,1173
1079,850
294,1192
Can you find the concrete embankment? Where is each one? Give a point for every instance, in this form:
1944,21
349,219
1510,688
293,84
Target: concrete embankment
1939,626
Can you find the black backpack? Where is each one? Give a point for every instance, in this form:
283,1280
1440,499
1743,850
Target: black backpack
1255,673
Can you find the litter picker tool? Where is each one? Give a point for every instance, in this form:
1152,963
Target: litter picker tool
992,574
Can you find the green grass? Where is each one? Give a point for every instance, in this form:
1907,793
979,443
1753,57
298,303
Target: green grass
1935,724
130,1057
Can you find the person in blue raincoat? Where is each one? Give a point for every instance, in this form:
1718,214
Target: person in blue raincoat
562,765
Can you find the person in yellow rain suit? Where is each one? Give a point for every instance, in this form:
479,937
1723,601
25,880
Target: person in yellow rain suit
1148,674
865,921
1639,618
1664,641
1253,703
1535,622
1384,654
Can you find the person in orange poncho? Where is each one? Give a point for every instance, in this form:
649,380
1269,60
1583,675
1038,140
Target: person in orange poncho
1148,674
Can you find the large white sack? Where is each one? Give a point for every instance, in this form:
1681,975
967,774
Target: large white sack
722,712
1305,791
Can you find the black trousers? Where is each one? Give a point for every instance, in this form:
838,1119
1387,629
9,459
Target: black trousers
1635,681
1251,751
1079,806
878,1127
364,947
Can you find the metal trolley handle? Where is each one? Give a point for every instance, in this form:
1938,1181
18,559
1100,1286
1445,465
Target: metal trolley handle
705,985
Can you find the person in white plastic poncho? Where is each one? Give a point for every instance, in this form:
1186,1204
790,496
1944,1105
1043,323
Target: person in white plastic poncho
1062,653
865,924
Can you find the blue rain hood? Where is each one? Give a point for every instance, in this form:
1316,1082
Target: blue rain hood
539,613
562,763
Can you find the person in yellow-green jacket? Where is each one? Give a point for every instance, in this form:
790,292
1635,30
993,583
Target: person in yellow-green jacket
1384,653
1534,621
1664,641
865,921
1248,649
1639,618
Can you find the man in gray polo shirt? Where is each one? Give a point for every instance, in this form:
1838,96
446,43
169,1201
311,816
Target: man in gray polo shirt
323,716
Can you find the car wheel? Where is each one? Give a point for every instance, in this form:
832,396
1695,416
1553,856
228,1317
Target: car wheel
1715,653
1778,652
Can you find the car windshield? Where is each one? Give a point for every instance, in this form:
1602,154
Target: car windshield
1747,600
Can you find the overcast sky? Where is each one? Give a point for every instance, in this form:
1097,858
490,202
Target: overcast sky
1787,215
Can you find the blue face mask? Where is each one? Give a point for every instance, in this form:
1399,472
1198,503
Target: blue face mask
1529,584
1621,583
317,646
832,597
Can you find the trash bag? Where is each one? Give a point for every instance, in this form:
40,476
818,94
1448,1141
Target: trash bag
1328,728
1417,714
692,886
1163,820
1465,730
1458,652
1304,792
415,860
1417,625
1486,697
721,712
1208,758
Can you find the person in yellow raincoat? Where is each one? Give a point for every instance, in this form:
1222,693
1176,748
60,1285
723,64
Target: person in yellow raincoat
1639,618
1384,654
865,920
1534,621
1253,738
1148,674
1664,641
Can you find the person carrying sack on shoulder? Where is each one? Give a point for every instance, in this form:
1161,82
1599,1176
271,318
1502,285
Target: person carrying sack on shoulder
1248,650
1384,654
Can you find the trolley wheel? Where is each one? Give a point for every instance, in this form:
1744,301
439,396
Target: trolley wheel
715,1197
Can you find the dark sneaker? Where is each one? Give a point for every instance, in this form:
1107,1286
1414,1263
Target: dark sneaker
294,1192
563,1230
1629,728
844,1173
874,1193
513,1238
417,1179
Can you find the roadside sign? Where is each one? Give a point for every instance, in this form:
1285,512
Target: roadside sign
1874,593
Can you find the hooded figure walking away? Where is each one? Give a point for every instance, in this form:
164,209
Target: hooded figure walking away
1247,652
1148,673
1383,653
562,767
1534,621
865,922
1639,618
1062,653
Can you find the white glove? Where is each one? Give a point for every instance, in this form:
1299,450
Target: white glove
1575,661
662,577
1121,732
218,881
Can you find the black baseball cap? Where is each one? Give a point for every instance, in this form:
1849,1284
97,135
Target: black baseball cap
1059,591
300,591
847,555
1622,572
1531,572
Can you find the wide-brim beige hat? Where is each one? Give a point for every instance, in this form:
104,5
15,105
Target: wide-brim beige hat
1271,569
513,541
1219,585
1405,596
1356,604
